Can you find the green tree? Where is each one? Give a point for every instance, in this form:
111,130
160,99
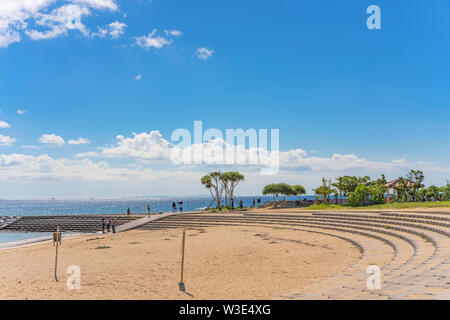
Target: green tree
324,190
433,193
340,185
299,190
360,196
271,189
402,190
422,194
446,192
364,181
377,193
230,181
212,181
350,183
286,190
416,177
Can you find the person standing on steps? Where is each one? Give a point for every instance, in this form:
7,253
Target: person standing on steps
232,203
181,206
254,203
148,210
103,224
114,223
128,212
241,204
108,225
174,206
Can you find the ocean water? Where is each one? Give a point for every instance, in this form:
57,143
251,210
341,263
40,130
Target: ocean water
68,207
7,237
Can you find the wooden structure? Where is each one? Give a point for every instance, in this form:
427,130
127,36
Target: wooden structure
394,184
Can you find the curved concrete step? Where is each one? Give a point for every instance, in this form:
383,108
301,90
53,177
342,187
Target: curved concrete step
421,247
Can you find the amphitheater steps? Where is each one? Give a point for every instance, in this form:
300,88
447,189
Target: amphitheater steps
352,280
413,248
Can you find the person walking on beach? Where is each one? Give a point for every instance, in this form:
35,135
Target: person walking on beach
148,210
103,224
174,206
114,223
108,225
128,212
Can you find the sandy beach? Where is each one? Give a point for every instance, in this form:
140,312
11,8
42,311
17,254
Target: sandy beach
221,263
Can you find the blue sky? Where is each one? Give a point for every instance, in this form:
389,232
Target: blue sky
309,68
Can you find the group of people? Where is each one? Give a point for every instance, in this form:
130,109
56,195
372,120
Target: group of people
109,225
256,204
241,204
257,201
174,206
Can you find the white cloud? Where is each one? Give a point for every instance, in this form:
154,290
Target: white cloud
90,154
175,33
6,141
152,40
46,19
114,30
79,141
26,167
138,77
204,54
146,158
4,125
98,4
152,147
14,15
143,146
51,139
22,112
59,21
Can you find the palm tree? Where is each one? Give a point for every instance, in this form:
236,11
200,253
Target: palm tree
271,189
212,181
232,177
299,190
324,190
340,185
206,181
286,190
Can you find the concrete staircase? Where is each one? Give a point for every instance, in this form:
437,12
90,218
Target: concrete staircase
412,250
73,223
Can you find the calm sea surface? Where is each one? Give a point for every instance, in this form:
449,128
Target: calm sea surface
6,237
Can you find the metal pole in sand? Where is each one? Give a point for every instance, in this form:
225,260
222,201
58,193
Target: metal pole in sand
56,241
181,284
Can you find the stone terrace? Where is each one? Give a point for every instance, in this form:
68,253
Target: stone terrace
412,249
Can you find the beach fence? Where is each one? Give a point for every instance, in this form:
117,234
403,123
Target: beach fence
57,242
183,243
